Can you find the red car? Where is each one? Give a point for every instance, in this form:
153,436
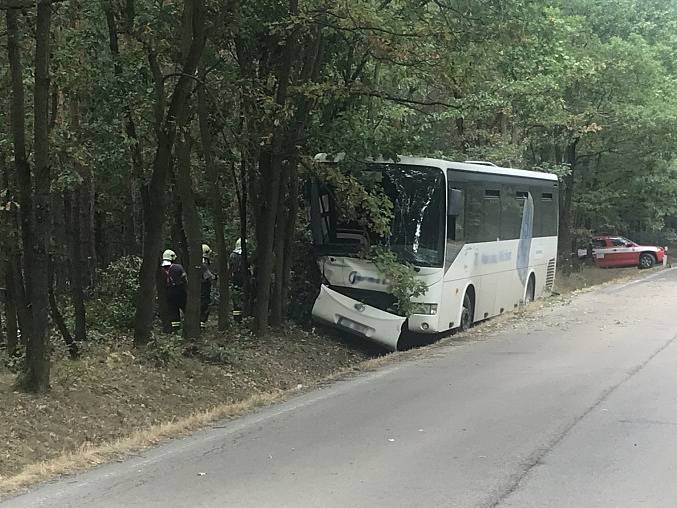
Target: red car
608,251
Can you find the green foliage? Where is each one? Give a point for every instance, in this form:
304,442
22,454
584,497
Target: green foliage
12,363
401,277
217,354
112,305
370,207
164,349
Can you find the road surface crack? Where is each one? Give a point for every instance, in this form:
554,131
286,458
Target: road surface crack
537,457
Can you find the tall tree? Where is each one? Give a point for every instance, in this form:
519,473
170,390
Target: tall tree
157,188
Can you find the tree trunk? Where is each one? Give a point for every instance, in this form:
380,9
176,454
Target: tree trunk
566,211
289,237
276,317
222,251
191,222
179,242
59,243
23,172
11,259
271,168
157,189
58,317
11,312
76,268
86,208
247,293
36,376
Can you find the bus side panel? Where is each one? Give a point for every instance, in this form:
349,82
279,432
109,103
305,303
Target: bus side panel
499,283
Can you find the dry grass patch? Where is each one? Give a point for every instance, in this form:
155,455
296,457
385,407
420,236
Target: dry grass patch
115,399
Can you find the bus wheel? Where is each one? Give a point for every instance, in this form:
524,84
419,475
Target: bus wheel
467,314
531,290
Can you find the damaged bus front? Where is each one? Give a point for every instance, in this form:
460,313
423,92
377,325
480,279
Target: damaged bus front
354,295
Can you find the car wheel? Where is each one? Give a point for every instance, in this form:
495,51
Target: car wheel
467,314
531,290
646,260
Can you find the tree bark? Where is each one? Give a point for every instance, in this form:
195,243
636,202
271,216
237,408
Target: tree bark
271,168
59,321
35,378
23,172
11,260
247,293
565,222
191,222
76,268
289,237
222,251
157,189
276,315
11,311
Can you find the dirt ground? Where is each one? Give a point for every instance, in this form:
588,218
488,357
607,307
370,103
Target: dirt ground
114,390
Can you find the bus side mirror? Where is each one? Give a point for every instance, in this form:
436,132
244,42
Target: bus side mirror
455,202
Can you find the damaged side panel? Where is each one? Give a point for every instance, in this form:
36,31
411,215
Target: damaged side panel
337,310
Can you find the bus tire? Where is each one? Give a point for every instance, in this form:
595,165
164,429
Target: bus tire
468,312
530,294
647,260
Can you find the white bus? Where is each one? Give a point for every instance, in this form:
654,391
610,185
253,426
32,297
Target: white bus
482,238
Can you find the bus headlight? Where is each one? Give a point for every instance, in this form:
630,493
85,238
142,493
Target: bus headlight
427,309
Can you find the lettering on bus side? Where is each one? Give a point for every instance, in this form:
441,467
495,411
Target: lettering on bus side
501,257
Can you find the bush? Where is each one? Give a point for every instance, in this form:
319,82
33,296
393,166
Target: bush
13,363
164,350
113,303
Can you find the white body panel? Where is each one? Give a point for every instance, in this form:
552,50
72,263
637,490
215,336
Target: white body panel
496,271
334,309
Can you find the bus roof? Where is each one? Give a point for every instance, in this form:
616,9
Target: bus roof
472,167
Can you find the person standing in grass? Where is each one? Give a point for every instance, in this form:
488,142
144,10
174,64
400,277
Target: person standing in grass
206,285
175,280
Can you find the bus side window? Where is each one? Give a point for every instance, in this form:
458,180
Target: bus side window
491,215
455,220
550,215
473,213
455,227
512,205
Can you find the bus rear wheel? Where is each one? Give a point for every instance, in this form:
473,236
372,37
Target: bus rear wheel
468,313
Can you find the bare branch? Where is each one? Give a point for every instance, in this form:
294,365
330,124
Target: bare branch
404,100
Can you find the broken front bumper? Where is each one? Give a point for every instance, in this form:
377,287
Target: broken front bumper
334,309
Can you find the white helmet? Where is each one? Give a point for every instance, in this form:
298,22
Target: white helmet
169,255
206,251
238,247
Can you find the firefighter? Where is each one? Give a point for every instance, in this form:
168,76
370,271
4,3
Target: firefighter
175,281
206,285
237,269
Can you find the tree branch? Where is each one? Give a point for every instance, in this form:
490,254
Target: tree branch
403,100
25,4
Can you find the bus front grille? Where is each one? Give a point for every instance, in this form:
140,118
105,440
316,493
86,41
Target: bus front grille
550,275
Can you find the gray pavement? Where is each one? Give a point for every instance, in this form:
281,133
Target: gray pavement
575,406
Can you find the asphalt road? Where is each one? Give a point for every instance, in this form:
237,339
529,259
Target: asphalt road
575,406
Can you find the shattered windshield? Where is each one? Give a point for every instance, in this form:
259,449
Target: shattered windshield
417,229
